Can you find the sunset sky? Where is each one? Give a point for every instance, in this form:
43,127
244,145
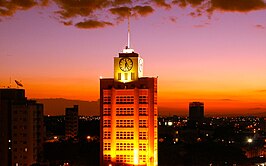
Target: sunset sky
212,51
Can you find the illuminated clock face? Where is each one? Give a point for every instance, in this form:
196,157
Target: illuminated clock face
125,64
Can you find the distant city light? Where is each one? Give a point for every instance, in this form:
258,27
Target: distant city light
170,123
250,140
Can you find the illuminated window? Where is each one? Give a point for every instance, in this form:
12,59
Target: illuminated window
107,146
126,76
107,111
124,158
142,135
106,123
124,99
125,123
107,157
155,133
107,135
155,86
142,146
143,111
123,111
143,99
143,123
125,146
124,135
119,76
107,100
155,122
155,111
155,99
132,76
142,158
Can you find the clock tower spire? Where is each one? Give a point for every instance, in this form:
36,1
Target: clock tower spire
128,31
128,49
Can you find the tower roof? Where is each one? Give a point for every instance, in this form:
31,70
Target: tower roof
132,54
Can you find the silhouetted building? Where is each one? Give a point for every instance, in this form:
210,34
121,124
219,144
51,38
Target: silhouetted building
196,112
71,122
21,129
128,104
263,124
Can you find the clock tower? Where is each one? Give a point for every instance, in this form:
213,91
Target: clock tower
128,67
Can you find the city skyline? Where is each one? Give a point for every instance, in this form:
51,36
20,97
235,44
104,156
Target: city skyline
217,58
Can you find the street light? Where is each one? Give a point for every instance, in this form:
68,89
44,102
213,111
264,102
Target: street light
250,140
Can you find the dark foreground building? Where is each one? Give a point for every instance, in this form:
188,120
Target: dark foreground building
21,129
196,111
71,122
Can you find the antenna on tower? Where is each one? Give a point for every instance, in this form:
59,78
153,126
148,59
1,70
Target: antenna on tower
128,49
128,30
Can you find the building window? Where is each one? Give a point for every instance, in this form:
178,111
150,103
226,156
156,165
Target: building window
107,100
107,146
143,99
142,158
142,146
107,111
143,123
126,76
123,111
142,135
125,146
119,76
155,99
132,76
124,99
107,135
125,123
124,158
155,133
124,135
143,111
155,111
106,123
155,122
107,157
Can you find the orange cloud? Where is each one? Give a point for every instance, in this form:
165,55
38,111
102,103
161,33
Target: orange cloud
109,11
143,10
89,24
9,8
121,11
162,3
238,5
259,26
